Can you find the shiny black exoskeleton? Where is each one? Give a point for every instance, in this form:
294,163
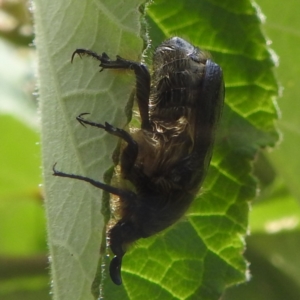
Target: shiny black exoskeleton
167,159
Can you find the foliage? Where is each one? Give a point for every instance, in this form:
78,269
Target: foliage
201,255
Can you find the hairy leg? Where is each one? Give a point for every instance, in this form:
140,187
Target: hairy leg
142,79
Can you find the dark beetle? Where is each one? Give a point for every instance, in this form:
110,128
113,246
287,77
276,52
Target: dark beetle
167,159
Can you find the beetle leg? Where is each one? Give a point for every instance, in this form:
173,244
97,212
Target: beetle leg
118,232
132,147
125,194
142,79
124,135
130,152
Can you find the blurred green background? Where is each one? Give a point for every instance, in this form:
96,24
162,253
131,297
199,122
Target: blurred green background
272,247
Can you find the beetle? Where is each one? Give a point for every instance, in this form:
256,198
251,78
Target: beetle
167,158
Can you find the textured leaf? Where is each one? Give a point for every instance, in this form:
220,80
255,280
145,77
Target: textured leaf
75,221
285,33
201,255
273,247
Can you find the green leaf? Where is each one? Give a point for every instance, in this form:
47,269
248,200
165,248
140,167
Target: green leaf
284,32
73,209
272,250
218,218
201,255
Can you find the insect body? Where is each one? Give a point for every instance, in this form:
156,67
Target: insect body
166,160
